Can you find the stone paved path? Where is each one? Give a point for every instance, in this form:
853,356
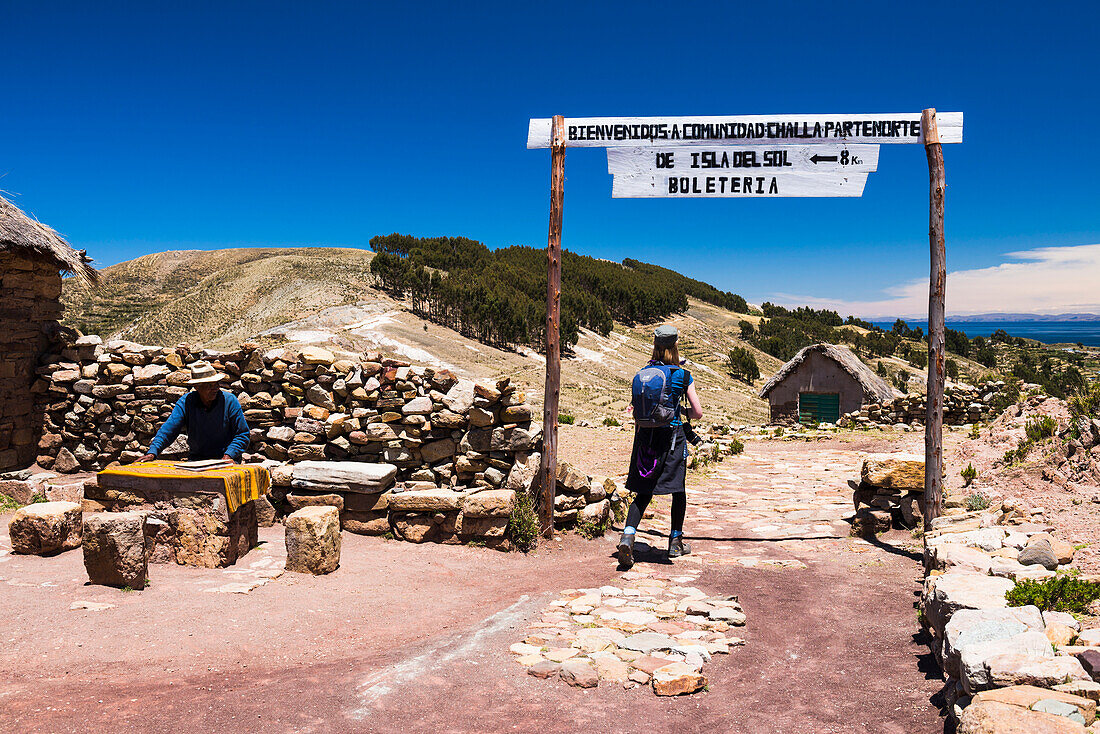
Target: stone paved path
757,510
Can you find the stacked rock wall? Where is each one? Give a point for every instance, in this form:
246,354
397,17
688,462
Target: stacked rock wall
29,311
963,404
105,402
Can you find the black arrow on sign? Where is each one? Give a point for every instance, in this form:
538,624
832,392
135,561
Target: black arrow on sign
816,158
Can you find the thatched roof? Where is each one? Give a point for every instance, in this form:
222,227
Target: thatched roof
875,389
20,232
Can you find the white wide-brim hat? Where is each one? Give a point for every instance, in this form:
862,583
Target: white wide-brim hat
204,372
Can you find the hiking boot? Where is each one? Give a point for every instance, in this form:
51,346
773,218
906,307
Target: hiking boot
626,550
677,547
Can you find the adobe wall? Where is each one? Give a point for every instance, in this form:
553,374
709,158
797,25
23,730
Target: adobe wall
29,310
816,374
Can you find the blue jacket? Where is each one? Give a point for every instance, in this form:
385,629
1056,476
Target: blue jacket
212,433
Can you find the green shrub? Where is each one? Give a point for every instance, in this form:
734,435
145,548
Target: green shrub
591,530
1085,403
8,503
1039,428
1062,593
880,369
736,447
969,474
611,422
975,432
565,419
523,525
977,501
779,432
38,498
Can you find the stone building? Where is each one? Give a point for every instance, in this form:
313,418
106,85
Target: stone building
821,383
32,259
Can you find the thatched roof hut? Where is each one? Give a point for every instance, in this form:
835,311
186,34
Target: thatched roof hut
821,382
19,232
32,259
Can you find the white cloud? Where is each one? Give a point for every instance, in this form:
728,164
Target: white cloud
1047,280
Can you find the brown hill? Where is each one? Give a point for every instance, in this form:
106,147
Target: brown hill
299,296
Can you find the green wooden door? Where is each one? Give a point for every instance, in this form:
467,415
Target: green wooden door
818,407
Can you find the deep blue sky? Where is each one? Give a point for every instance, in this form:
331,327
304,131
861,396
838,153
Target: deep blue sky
131,128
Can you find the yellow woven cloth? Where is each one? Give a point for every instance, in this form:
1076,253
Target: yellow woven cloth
242,482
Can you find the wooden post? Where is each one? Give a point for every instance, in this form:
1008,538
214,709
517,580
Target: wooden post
937,288
549,468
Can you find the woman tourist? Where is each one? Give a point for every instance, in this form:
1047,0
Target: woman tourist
658,461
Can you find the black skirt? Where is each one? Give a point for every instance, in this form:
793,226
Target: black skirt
658,461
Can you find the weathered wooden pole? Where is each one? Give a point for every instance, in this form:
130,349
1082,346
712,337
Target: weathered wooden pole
549,468
937,289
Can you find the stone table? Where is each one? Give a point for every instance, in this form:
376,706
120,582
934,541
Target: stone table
205,518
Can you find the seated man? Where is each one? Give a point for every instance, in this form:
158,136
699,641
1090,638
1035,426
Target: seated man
215,424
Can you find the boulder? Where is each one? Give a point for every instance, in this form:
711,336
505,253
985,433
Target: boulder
460,398
544,669
1060,635
1038,552
418,406
114,549
298,501
366,523
596,513
994,717
343,476
313,540
677,679
265,512
316,355
434,452
969,626
1046,671
426,500
45,528
579,674
486,528
524,472
974,658
1089,637
944,556
491,503
1089,689
893,471
1090,661
1027,696
944,595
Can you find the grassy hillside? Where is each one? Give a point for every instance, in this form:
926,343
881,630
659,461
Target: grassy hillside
217,298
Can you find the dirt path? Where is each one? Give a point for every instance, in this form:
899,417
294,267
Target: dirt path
416,637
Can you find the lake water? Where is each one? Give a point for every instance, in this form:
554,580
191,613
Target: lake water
1048,332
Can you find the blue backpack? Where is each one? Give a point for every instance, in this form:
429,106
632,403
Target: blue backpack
654,405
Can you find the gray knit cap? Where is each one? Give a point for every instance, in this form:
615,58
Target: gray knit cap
665,335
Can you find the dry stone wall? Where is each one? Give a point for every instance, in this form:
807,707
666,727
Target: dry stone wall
460,450
963,404
105,402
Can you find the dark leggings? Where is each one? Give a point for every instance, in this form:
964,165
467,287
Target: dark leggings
641,501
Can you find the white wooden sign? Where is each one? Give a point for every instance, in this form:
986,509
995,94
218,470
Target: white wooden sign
617,132
743,159
735,184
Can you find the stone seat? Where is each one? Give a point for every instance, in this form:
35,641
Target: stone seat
115,549
313,540
46,528
343,476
